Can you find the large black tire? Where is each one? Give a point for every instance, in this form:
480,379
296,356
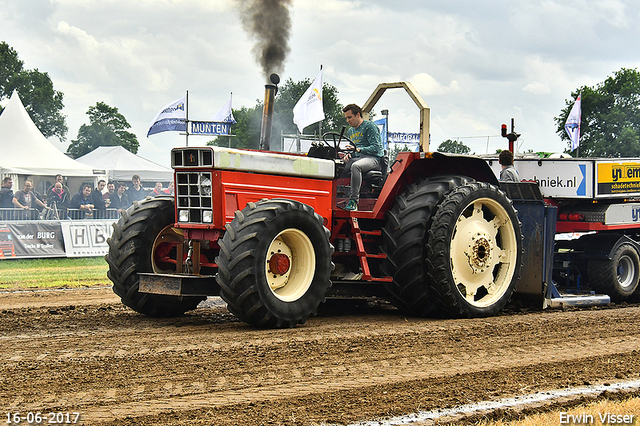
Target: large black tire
405,243
617,277
474,251
130,252
268,235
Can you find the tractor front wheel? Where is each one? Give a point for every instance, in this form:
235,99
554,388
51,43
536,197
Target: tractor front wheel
144,240
274,263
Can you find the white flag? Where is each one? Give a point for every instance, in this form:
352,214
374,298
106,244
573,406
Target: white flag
225,115
171,118
572,126
309,108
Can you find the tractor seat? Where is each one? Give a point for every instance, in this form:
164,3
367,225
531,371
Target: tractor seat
376,177
372,175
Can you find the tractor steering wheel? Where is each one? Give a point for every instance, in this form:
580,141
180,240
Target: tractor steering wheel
337,138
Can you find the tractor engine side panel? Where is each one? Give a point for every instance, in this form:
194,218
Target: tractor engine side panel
233,190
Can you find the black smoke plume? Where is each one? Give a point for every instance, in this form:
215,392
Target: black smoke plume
269,23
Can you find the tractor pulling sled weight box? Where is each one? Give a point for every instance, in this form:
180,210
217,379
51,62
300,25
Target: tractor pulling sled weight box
435,234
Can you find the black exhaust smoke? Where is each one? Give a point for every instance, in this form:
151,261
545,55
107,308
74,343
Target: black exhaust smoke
269,23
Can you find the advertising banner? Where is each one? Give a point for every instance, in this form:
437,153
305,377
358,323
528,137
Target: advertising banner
621,178
67,238
397,137
31,239
561,178
210,128
86,238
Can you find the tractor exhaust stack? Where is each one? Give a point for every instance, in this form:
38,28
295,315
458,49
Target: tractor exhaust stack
267,112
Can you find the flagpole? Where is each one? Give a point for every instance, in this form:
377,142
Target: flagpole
320,122
187,119
229,136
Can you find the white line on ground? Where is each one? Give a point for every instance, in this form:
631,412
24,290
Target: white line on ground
523,400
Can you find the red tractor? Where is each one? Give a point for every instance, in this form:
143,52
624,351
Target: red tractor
434,235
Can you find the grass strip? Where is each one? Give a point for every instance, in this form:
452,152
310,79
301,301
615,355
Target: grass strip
53,273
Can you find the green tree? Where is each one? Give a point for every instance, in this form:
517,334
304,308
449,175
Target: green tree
453,147
42,102
107,128
9,66
393,153
610,124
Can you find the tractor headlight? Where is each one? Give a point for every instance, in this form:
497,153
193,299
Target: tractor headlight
183,215
207,216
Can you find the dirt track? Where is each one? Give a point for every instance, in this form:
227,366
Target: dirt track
82,351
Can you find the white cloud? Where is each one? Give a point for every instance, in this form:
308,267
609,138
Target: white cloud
427,85
476,64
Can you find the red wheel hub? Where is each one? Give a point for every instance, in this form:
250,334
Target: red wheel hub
279,264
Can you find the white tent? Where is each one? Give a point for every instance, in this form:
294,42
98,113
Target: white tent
121,164
25,150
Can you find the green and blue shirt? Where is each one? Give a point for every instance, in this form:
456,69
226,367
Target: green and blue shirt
366,137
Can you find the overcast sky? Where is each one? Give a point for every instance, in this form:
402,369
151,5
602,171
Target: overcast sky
477,64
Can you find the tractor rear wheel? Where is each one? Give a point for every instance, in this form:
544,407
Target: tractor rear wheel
144,240
617,277
474,251
274,263
405,240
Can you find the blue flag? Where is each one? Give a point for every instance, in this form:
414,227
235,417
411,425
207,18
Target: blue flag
171,118
382,125
572,126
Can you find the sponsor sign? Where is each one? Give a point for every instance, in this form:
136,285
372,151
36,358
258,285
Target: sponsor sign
86,238
67,238
31,239
396,137
620,178
561,178
210,128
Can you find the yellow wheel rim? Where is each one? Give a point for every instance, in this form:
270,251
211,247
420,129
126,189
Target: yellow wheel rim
484,252
290,265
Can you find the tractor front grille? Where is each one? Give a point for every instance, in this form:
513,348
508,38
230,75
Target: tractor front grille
194,197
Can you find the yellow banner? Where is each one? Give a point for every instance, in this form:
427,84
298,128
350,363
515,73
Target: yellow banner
619,178
619,172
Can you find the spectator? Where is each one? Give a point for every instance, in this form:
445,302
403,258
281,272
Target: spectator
26,199
136,192
60,179
82,201
508,172
157,190
6,193
98,201
169,190
59,198
119,199
111,188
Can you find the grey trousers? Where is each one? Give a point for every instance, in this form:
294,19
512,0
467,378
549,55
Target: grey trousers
356,167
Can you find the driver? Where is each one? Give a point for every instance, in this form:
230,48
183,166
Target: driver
365,154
